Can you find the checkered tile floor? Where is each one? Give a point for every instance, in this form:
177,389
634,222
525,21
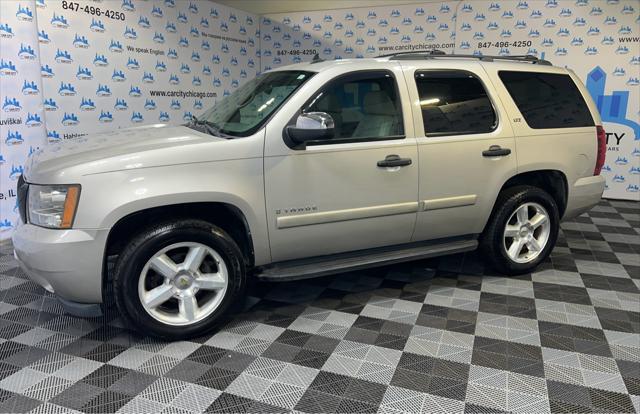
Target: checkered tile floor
437,335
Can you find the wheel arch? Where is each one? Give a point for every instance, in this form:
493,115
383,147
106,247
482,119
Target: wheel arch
224,215
552,181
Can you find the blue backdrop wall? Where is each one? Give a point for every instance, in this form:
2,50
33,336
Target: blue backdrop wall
70,68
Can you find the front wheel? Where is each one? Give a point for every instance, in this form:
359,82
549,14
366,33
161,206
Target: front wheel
522,230
178,279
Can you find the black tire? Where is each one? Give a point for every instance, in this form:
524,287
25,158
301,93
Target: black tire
492,240
151,240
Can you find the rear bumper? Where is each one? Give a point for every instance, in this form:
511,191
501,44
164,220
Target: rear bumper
583,195
65,262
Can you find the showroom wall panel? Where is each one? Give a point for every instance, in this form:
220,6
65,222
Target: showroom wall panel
91,66
599,40
359,32
119,63
22,128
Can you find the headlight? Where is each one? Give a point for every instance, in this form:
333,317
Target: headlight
53,206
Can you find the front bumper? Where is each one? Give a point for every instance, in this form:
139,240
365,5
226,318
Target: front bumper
583,195
65,262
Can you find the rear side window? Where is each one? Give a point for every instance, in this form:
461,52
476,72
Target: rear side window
454,102
547,100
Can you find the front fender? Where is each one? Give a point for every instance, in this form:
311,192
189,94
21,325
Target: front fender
106,198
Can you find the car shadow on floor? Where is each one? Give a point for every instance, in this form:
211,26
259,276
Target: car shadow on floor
280,303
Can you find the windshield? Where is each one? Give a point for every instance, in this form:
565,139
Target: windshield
244,111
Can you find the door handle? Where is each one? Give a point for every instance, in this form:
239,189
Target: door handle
496,151
394,161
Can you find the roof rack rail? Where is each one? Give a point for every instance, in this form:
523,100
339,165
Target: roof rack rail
437,54
317,59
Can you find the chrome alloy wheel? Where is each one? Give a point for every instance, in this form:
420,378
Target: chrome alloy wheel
183,283
527,232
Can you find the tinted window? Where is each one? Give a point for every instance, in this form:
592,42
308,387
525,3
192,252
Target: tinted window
454,103
362,105
547,100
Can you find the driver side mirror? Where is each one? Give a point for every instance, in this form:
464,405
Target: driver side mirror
311,126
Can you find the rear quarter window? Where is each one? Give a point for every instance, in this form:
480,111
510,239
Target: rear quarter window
547,100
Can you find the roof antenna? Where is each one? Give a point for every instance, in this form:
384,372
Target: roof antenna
317,59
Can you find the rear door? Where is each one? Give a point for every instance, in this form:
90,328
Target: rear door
554,126
465,146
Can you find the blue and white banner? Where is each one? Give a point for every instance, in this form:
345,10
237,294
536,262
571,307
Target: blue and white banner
22,124
356,33
119,63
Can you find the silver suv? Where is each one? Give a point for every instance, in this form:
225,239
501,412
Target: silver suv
308,170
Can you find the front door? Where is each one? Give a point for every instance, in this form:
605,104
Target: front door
332,196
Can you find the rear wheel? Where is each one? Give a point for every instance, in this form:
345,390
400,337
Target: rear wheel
179,279
522,230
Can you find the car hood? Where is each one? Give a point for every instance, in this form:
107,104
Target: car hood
132,148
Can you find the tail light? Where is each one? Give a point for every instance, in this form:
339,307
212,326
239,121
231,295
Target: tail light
602,149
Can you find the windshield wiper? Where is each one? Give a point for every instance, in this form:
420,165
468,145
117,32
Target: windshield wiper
246,102
210,127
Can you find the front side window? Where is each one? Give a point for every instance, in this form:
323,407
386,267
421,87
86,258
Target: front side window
547,100
363,105
454,103
245,111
